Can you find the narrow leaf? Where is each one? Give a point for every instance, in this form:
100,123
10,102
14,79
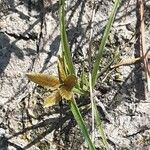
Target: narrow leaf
100,127
64,39
81,123
103,43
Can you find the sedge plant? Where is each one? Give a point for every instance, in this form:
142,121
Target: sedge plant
66,81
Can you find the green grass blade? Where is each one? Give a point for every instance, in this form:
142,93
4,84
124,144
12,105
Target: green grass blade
103,43
100,128
64,42
64,39
81,123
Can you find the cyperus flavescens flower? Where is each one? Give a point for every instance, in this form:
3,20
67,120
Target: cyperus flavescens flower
61,86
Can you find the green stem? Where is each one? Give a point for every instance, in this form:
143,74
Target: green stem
77,115
100,127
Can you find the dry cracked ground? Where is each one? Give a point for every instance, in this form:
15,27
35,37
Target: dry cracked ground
30,40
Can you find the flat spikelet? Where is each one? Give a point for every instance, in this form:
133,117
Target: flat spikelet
61,71
46,80
65,93
63,84
70,82
52,99
66,89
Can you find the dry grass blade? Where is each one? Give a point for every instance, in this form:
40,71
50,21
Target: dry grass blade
90,70
95,115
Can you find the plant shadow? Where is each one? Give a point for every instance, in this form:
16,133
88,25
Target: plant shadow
62,127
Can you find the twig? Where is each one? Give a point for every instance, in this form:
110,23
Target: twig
142,40
131,61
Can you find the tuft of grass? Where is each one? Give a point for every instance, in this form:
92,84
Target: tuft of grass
70,71
68,59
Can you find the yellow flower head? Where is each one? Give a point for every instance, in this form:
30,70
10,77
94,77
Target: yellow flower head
62,85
